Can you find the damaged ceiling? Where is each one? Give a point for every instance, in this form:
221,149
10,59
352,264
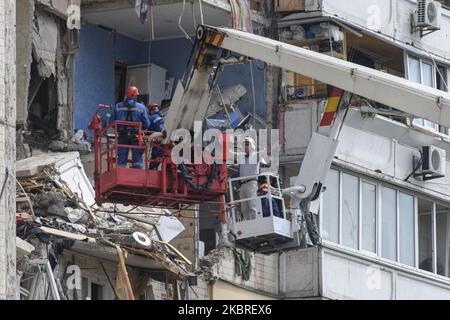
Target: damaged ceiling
124,19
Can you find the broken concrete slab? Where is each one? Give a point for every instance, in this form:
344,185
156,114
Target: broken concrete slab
69,168
23,247
31,166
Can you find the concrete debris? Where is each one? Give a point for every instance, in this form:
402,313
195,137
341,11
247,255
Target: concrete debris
208,262
228,97
55,202
23,248
75,215
49,203
60,146
212,258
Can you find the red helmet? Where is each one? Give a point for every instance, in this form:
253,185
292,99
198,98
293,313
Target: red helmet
132,92
152,106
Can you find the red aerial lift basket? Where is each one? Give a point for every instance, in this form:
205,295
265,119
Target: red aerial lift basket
168,187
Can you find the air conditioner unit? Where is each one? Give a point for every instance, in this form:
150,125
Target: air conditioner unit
432,163
428,15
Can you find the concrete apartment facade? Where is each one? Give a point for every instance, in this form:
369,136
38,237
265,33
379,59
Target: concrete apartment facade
382,237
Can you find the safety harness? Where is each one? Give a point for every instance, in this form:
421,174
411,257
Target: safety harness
128,134
130,107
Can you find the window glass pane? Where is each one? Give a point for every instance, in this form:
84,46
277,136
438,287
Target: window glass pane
368,206
414,69
430,124
425,235
330,210
427,70
426,78
442,240
350,208
406,210
427,74
388,223
441,78
96,292
419,122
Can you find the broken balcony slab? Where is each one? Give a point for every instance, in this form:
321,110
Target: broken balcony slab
23,247
31,166
69,168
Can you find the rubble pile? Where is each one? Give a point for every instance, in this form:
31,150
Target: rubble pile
53,217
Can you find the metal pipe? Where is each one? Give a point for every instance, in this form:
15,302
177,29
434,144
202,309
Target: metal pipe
155,135
200,4
296,191
51,278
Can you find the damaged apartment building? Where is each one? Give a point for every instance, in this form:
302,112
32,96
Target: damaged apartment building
46,50
63,74
384,231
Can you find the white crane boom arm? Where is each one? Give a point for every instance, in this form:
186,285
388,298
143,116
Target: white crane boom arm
399,93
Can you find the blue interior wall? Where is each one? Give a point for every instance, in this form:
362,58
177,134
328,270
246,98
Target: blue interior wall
172,55
94,74
130,51
94,69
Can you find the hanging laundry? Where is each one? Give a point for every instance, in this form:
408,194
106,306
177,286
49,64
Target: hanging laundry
142,8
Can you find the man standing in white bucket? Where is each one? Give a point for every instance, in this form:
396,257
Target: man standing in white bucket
249,187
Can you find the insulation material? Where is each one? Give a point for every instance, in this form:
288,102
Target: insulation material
45,43
168,228
123,285
229,96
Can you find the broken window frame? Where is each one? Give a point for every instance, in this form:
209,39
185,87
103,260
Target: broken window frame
428,125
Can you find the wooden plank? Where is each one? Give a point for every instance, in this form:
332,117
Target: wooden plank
65,234
175,250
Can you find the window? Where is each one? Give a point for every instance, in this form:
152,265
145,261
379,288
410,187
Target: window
414,73
424,72
91,290
330,224
442,240
350,208
413,231
369,211
425,235
441,78
406,229
389,223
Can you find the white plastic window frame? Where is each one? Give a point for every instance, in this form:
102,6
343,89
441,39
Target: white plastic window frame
408,56
379,185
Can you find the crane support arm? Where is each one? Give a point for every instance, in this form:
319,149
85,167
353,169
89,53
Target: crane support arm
399,93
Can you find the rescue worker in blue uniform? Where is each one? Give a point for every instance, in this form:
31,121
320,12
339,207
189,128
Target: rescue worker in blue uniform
156,125
132,111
